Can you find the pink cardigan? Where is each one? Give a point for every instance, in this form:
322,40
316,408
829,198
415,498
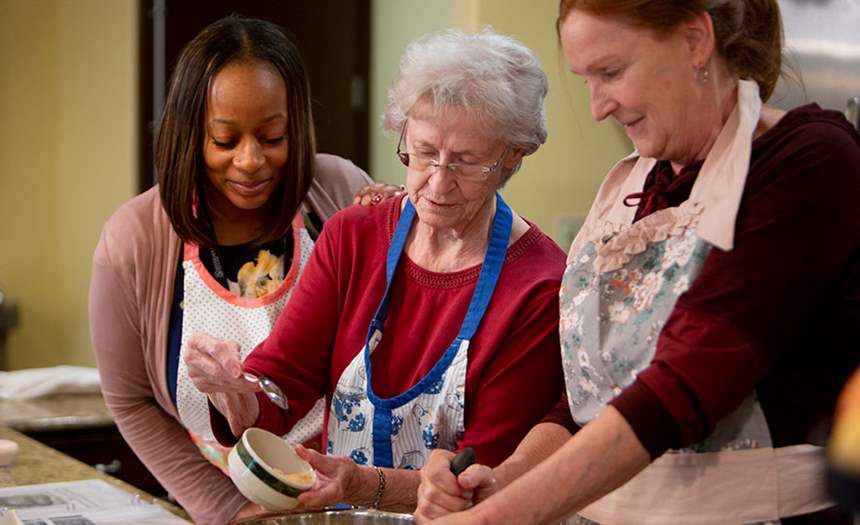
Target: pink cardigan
131,292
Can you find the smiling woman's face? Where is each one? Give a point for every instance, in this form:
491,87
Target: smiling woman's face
647,84
245,143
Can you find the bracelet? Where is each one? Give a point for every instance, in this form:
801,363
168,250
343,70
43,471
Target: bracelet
380,488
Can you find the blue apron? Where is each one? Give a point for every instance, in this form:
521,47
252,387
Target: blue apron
401,431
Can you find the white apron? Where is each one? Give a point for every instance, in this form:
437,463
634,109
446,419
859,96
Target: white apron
209,308
401,431
620,285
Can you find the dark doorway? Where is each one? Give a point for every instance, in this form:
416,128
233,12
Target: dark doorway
333,36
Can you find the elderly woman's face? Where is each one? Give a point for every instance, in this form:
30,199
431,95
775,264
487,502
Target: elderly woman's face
442,198
646,84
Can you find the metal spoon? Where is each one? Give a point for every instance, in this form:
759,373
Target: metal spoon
272,391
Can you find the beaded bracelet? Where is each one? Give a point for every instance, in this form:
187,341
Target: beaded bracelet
380,488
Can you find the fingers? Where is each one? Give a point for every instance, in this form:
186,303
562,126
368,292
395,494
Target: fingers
215,365
241,410
330,486
377,192
321,495
322,463
437,472
440,493
435,503
479,479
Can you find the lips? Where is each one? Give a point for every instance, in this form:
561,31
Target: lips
631,125
249,189
437,204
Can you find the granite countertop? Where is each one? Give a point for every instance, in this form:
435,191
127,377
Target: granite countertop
59,412
38,463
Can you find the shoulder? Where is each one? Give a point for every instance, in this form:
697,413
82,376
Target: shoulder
534,266
335,183
809,132
538,252
809,150
134,230
334,171
369,225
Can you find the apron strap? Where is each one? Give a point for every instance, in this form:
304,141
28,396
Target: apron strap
487,279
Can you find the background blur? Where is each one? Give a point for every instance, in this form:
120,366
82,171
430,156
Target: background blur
73,81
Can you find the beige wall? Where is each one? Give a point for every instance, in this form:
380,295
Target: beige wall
68,98
67,142
556,185
395,23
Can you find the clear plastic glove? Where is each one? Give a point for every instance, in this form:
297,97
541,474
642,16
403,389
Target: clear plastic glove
374,193
441,493
215,368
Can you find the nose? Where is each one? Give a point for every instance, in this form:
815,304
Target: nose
601,103
249,157
441,178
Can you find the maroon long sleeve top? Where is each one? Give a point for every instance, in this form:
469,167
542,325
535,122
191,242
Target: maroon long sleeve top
779,313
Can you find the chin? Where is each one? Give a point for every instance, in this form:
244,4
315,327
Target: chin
436,220
249,204
646,149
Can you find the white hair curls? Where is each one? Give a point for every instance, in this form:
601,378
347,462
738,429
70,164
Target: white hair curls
493,77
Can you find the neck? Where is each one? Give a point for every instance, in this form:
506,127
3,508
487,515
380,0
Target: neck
233,225
718,104
450,249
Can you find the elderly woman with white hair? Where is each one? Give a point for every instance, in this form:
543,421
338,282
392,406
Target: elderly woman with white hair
430,320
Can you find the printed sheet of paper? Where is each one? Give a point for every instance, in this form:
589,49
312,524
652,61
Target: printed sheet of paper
85,502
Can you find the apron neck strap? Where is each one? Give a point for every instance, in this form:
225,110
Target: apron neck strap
489,275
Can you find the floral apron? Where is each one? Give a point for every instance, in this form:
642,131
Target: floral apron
620,285
401,431
209,308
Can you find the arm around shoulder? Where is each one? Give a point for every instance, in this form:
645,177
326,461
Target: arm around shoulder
336,182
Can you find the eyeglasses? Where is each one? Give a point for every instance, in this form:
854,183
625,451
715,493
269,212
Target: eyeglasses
461,170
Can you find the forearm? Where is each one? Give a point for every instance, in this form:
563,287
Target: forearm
540,443
399,495
602,456
165,448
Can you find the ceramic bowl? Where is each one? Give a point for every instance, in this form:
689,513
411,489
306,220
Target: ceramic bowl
267,471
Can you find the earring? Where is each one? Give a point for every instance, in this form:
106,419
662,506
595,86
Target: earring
702,75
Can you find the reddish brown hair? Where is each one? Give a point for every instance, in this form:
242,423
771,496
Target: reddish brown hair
748,33
179,144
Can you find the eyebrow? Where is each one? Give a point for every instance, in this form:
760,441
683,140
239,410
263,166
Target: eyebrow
601,63
270,118
461,153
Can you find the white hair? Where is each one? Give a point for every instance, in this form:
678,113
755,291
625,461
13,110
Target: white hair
492,77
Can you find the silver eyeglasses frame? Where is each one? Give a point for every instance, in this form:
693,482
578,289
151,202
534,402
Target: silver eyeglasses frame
453,167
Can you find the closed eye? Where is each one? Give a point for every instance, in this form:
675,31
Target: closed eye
275,140
229,144
609,74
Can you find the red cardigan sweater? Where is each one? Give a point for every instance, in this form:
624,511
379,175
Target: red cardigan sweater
514,372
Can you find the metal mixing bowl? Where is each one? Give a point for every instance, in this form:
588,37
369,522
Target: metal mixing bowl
333,517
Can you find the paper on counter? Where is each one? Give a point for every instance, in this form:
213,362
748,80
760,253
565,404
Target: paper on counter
85,502
36,382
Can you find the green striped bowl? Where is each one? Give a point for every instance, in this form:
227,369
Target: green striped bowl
258,466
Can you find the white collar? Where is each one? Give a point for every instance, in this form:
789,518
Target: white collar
721,180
